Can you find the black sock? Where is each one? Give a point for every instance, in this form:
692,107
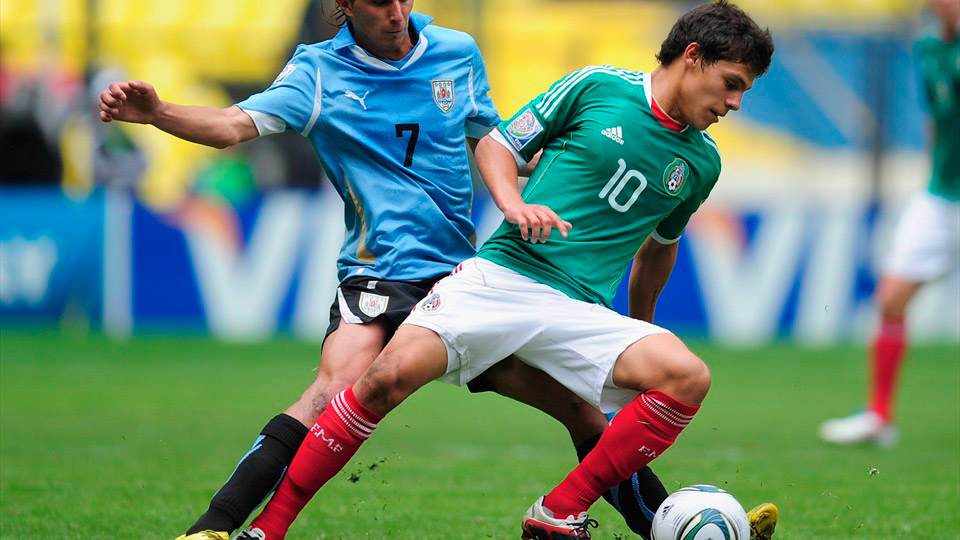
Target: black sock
637,498
257,474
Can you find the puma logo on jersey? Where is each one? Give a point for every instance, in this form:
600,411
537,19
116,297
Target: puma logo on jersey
351,95
615,134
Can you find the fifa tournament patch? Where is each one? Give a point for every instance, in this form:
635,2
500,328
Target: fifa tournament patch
287,70
431,303
523,129
443,94
675,175
373,304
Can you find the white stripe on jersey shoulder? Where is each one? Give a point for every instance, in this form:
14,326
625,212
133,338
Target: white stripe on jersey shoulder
497,136
648,90
317,105
369,59
267,124
555,95
710,141
473,99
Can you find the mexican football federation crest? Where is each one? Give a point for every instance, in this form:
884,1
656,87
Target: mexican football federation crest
675,175
431,303
443,93
373,304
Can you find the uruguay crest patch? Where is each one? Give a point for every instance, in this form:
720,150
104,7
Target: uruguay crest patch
373,304
675,175
443,93
523,129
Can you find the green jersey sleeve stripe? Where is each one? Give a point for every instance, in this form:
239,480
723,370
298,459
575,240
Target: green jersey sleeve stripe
555,96
553,89
550,100
710,141
559,86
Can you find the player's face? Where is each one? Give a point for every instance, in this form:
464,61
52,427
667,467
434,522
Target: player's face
710,92
381,26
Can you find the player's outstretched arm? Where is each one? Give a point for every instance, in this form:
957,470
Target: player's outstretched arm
652,266
498,169
138,102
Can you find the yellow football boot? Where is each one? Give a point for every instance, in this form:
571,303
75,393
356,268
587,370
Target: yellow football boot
205,535
763,520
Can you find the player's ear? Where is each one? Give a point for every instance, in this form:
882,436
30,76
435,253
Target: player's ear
692,54
346,6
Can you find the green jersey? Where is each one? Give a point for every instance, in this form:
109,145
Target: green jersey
940,71
610,167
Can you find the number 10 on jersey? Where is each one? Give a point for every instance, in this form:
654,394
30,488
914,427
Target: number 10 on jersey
620,180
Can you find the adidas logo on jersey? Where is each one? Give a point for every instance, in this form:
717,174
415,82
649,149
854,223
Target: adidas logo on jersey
615,134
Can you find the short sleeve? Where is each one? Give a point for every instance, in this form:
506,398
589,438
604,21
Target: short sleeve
292,102
483,117
670,228
546,116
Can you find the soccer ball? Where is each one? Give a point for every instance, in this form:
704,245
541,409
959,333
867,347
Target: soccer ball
700,512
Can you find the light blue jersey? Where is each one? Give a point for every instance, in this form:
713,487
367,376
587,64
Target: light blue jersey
391,137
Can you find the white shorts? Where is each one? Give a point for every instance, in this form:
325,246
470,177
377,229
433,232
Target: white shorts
485,312
926,242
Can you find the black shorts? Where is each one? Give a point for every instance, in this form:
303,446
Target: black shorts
363,299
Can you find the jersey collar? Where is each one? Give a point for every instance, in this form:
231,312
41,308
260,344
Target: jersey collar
658,113
344,40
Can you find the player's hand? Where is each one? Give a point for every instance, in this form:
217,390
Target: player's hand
536,222
133,101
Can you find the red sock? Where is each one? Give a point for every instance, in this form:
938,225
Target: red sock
888,347
640,432
332,441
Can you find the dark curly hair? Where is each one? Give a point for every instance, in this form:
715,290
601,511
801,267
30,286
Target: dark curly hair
724,32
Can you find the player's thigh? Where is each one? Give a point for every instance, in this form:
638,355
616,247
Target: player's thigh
412,358
347,352
364,316
351,348
515,379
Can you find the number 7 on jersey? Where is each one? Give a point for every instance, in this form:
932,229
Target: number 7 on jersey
414,130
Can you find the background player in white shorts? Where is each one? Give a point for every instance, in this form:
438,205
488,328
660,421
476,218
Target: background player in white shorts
549,302
926,244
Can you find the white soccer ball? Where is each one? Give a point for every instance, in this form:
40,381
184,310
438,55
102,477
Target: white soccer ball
700,512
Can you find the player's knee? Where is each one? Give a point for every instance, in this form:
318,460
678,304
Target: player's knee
385,384
891,306
317,399
689,378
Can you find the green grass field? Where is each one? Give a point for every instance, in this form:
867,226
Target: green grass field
127,441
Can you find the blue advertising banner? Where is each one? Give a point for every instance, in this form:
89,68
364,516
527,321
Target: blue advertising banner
51,254
745,274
